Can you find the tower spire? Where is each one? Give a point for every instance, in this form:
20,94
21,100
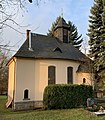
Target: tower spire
62,12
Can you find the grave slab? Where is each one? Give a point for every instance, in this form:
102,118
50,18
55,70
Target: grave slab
99,113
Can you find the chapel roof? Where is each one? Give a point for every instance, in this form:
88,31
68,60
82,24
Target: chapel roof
86,67
46,47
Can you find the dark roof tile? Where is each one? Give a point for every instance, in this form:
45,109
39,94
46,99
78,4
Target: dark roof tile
43,47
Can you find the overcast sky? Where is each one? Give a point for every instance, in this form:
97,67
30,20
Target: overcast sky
40,18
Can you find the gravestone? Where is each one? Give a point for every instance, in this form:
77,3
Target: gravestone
90,102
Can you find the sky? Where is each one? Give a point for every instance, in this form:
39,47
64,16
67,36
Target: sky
40,18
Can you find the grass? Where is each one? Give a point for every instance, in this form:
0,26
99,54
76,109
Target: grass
66,114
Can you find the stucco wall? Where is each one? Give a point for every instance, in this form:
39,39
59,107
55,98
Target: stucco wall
11,78
41,76
87,76
25,79
33,75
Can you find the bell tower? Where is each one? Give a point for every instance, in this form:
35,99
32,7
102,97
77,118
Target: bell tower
61,30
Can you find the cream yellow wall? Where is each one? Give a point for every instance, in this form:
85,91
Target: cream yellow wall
41,74
87,76
41,78
11,78
25,79
32,74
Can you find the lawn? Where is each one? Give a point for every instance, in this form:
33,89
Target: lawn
66,114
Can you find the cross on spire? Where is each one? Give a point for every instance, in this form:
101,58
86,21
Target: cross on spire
62,12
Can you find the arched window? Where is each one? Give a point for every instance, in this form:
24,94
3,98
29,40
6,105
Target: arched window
51,75
70,75
84,80
26,94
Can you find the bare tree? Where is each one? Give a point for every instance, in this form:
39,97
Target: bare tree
9,10
85,46
3,71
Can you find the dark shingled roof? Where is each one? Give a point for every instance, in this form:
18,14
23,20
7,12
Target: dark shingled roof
49,48
61,23
86,67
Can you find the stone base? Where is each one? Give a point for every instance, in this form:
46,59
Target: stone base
38,104
27,105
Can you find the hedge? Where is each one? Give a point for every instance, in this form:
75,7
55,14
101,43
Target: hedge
64,96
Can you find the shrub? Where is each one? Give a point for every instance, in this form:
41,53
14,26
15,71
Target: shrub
63,96
93,108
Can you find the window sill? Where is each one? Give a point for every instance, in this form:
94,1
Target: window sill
26,99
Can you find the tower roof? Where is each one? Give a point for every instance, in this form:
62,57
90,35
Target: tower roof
61,23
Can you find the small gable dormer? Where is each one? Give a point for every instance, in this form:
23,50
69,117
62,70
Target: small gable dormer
61,30
57,49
